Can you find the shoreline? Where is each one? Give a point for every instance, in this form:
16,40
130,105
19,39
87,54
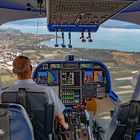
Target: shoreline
117,43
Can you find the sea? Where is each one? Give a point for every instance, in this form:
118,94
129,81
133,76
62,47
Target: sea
127,40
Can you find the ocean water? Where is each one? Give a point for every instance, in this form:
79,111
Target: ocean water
104,38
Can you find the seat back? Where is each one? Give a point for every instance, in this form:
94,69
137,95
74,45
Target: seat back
39,111
15,123
128,122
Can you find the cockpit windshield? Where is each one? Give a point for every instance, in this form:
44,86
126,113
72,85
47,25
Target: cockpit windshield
116,44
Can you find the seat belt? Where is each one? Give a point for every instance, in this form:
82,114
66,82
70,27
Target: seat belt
21,97
23,100
4,122
133,120
49,123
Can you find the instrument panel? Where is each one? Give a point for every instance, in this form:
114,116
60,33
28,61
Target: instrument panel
75,81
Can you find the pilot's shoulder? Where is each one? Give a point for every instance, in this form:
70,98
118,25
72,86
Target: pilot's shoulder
46,89
5,88
11,88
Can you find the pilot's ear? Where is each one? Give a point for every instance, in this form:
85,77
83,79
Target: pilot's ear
13,71
31,67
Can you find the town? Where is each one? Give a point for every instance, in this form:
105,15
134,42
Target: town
13,43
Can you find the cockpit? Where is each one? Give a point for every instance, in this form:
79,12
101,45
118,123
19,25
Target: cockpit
80,85
84,86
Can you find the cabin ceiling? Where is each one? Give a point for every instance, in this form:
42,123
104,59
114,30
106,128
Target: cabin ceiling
11,10
131,14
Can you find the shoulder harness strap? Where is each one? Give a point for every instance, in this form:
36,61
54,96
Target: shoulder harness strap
133,120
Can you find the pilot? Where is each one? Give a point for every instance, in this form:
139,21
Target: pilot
23,69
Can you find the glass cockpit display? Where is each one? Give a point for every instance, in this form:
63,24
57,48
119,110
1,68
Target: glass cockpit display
42,77
69,78
47,77
98,76
55,66
71,96
53,77
86,65
88,77
75,81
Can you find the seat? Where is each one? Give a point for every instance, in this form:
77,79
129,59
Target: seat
128,122
125,123
15,123
39,111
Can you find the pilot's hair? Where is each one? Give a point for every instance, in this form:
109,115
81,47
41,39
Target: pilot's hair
21,65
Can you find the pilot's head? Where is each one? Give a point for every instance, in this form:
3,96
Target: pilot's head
22,67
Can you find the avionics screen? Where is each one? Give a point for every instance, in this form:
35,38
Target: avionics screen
55,66
52,77
98,76
84,65
42,77
88,77
70,78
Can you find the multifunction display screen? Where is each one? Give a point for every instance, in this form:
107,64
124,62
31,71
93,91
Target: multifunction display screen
88,77
69,78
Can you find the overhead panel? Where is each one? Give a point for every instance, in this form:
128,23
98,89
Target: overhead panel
81,15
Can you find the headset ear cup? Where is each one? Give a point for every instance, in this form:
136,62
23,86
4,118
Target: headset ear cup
13,71
31,67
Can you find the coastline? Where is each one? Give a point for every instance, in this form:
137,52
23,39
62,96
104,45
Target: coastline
120,39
